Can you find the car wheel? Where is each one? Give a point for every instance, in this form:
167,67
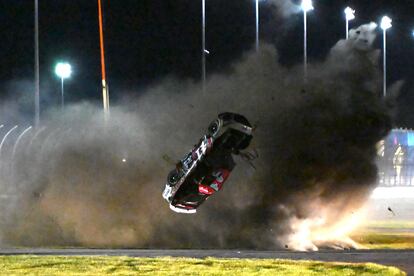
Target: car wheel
173,178
214,128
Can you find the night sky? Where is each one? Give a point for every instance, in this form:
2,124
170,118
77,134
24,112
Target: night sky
148,40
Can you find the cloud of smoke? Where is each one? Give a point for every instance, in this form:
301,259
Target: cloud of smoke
66,183
285,8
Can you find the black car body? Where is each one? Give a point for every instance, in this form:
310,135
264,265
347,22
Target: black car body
207,166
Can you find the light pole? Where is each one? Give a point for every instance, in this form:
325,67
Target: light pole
203,50
385,25
105,89
349,15
306,6
257,25
63,71
36,69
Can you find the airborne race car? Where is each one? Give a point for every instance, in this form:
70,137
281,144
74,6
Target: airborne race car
203,171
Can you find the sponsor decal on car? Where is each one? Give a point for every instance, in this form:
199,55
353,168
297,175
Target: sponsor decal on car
206,190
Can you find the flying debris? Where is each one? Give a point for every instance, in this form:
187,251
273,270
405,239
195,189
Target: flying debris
203,171
391,211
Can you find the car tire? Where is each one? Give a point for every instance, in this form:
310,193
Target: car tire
173,178
214,128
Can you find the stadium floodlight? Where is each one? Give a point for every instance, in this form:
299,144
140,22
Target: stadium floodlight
306,6
386,23
349,15
63,70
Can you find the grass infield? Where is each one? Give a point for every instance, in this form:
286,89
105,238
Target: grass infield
68,265
374,240
386,235
389,224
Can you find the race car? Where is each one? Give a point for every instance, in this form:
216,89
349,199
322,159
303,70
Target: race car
203,171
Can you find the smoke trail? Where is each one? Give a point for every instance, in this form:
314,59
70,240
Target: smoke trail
316,148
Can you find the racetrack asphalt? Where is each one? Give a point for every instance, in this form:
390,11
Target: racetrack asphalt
403,259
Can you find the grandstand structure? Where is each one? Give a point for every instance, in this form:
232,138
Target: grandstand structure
396,159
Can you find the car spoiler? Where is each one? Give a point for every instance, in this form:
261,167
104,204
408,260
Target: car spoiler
182,210
240,127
